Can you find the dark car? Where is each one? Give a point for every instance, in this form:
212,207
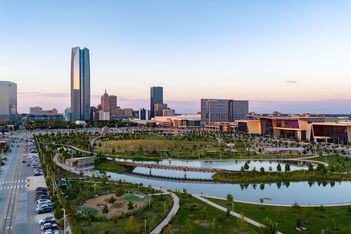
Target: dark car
41,189
42,210
41,197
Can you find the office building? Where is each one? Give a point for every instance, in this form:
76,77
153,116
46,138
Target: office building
168,112
108,105
128,113
135,114
223,110
80,84
37,110
240,109
158,109
303,128
8,101
37,113
180,121
104,115
156,96
142,114
68,114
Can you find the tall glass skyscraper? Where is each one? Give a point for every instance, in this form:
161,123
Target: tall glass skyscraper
156,97
80,84
8,101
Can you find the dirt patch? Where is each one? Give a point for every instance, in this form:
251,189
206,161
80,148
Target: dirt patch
119,207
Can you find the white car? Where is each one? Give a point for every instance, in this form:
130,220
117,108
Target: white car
41,202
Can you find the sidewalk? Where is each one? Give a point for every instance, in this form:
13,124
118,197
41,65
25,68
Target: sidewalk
237,215
170,215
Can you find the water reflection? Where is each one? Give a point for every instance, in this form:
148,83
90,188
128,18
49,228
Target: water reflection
303,193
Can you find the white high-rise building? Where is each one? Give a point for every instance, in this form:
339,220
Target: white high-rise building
8,101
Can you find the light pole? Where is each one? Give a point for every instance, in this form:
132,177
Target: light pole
64,221
145,226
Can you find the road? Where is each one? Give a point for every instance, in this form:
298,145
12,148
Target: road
17,205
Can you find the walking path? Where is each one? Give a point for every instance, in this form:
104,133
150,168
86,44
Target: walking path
170,215
237,215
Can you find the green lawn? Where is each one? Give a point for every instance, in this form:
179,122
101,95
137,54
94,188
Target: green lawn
343,163
132,198
108,165
338,219
204,219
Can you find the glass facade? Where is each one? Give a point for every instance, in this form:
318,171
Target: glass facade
156,97
8,101
80,84
223,110
336,134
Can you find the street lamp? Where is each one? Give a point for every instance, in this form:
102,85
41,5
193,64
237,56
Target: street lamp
64,221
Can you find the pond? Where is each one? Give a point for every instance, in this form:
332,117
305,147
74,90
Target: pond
234,165
303,193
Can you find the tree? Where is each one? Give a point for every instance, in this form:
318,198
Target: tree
214,224
130,205
187,228
269,227
246,166
132,226
262,170
279,168
287,167
105,210
230,199
168,229
310,167
242,223
321,209
119,192
104,179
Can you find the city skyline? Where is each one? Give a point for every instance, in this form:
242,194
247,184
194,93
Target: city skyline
289,56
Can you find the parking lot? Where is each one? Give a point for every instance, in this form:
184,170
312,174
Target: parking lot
19,179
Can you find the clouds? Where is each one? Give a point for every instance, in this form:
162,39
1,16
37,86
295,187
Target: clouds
291,81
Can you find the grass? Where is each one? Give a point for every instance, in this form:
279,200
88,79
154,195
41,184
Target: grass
257,177
344,163
150,145
202,217
132,198
314,219
108,165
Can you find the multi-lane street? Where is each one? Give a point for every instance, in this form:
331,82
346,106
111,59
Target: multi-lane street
17,204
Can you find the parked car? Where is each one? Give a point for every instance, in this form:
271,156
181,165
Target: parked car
51,218
42,210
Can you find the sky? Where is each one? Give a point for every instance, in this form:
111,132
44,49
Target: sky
292,56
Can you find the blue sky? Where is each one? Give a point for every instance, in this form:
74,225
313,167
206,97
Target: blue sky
292,56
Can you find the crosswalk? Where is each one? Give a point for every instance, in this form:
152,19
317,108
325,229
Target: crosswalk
12,184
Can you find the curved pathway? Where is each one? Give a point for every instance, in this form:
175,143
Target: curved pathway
169,217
